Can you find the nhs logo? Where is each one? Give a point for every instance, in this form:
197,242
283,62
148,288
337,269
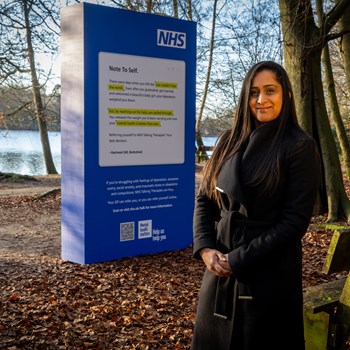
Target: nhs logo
172,39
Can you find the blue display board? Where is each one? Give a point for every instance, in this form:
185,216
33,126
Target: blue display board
128,116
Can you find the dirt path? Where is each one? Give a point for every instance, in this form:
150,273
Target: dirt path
30,227
39,184
145,302
26,191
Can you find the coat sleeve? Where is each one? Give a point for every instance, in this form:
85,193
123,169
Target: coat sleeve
303,178
206,213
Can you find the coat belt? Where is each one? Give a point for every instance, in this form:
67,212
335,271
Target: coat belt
228,290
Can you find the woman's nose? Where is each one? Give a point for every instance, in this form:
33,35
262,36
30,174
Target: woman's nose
261,98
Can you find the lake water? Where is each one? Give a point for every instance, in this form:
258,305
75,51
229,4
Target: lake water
21,151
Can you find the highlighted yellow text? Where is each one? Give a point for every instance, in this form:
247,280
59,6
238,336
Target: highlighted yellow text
141,111
116,87
147,123
166,85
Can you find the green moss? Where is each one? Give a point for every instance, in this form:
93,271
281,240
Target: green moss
16,178
332,227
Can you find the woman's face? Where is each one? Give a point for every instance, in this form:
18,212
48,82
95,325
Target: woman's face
265,98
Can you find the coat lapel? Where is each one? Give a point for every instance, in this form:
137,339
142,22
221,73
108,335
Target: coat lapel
230,186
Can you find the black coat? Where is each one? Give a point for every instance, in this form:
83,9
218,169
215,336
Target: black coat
260,305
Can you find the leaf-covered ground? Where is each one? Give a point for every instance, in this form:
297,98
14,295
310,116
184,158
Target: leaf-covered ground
145,302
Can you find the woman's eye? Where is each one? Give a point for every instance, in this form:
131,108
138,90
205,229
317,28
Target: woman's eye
270,91
254,93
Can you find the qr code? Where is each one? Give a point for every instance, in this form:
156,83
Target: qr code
127,231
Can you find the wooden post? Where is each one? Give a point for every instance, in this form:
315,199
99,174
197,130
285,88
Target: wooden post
342,317
327,306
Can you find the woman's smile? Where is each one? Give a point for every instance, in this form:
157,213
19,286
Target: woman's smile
263,109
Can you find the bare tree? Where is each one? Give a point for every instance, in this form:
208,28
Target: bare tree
38,103
332,96
344,26
24,22
149,6
201,153
335,111
246,32
176,9
189,9
303,44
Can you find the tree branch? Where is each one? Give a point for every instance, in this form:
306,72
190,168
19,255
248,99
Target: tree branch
335,13
334,36
14,112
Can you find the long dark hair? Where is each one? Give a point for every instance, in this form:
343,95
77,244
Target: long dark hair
244,123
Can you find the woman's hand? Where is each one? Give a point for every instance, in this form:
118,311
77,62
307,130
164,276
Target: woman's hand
216,262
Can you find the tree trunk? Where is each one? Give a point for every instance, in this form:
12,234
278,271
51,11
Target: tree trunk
129,5
297,65
332,97
39,109
333,103
337,201
303,43
189,9
176,9
149,6
344,25
201,152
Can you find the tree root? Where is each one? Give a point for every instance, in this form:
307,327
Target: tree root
42,195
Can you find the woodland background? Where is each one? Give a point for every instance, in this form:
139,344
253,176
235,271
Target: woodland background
311,38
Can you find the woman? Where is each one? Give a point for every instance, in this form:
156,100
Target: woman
252,210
